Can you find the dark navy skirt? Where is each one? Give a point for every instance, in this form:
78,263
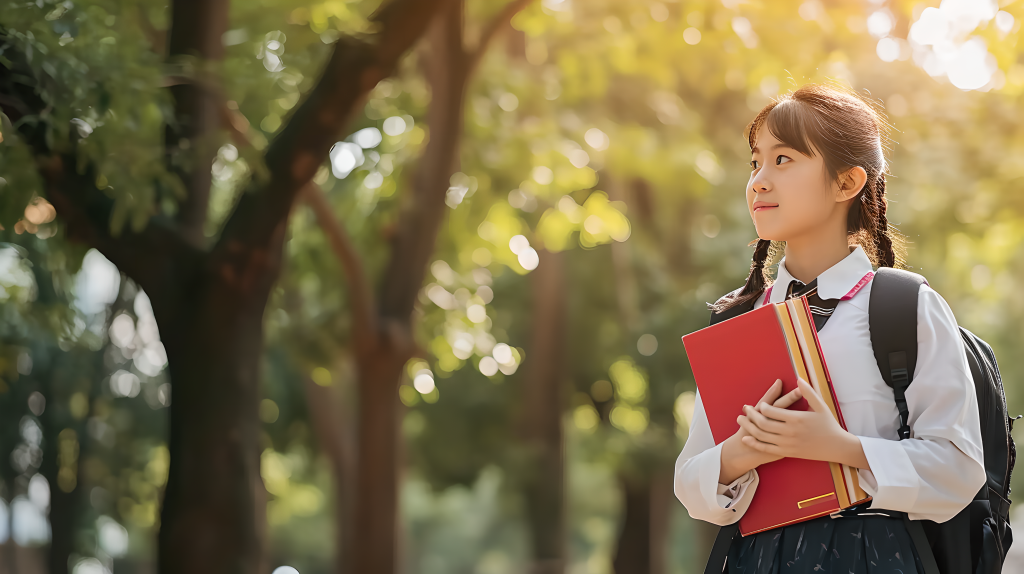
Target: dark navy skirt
857,544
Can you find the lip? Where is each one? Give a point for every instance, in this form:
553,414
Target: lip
762,205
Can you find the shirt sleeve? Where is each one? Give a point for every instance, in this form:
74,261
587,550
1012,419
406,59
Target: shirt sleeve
939,470
696,477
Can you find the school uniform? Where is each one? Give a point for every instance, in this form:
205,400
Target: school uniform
933,475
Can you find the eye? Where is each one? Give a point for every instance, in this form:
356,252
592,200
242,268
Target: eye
780,157
753,164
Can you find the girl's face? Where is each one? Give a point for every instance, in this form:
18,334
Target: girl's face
788,195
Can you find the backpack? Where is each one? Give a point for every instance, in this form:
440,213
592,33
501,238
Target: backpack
985,521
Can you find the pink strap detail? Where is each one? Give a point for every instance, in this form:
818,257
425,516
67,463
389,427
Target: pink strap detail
860,285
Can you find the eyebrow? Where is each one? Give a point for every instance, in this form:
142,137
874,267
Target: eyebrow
774,147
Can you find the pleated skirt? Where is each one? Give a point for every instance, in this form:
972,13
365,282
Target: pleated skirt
860,544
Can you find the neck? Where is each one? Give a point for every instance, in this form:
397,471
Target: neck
806,258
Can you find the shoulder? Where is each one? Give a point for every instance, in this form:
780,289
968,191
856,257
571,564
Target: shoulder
933,312
933,308
935,318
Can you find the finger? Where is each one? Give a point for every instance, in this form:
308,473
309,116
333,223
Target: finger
746,426
773,392
765,423
813,397
787,400
764,447
756,431
781,415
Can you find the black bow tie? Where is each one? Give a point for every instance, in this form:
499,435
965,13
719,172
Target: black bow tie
821,309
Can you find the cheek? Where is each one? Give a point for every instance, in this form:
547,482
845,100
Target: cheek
808,209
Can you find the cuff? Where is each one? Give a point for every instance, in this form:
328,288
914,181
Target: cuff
892,480
732,493
734,496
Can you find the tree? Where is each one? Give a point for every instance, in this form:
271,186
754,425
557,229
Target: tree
208,299
382,327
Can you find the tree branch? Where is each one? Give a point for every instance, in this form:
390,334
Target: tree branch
497,23
421,215
292,159
423,208
152,256
364,306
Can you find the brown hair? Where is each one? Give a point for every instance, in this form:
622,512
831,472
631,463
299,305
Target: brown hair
849,130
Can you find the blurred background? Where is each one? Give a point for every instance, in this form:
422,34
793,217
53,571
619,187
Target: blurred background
464,353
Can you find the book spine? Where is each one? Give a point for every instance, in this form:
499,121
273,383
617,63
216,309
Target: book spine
791,342
852,480
803,322
824,366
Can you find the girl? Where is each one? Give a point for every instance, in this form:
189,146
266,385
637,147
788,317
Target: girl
817,184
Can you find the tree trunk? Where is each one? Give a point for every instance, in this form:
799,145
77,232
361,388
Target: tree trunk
214,340
331,418
374,534
63,505
197,31
633,554
380,365
541,421
663,501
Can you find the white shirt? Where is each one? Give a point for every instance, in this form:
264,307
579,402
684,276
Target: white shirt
932,475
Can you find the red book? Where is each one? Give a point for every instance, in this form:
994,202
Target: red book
734,363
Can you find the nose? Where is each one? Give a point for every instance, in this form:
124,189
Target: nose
760,183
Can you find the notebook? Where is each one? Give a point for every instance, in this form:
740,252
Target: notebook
734,363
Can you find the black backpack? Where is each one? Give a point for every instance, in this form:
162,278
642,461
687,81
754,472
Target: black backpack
976,540
985,522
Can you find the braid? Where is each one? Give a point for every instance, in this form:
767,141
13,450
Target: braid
883,241
758,278
756,283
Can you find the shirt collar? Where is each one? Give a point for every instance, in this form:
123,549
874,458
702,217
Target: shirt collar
833,283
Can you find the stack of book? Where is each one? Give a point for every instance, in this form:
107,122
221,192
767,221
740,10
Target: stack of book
734,363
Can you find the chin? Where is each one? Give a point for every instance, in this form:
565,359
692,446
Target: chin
769,234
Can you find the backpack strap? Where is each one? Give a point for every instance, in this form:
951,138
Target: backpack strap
892,321
720,550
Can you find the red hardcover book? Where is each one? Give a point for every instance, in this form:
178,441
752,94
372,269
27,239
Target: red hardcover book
734,363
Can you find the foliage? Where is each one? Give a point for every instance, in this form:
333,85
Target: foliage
598,128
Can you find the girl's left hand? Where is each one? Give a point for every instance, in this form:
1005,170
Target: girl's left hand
813,434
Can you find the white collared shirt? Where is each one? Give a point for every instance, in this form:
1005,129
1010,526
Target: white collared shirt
932,475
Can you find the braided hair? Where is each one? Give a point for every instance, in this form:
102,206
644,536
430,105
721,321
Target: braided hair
848,130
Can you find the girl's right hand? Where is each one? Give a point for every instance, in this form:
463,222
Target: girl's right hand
737,457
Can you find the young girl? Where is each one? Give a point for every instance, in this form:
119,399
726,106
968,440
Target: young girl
817,183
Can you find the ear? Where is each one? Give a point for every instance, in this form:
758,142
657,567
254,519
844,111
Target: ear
850,183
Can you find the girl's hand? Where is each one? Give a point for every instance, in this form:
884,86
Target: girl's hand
813,434
738,457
